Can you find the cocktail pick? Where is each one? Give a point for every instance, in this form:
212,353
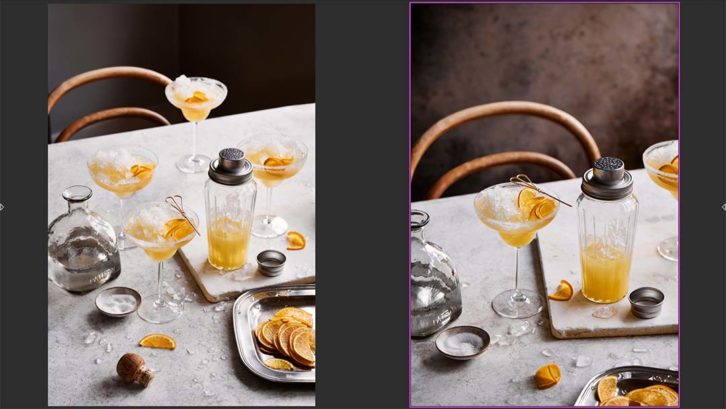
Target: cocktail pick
524,181
179,207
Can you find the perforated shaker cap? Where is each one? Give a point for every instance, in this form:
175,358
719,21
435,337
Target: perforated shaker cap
231,168
607,180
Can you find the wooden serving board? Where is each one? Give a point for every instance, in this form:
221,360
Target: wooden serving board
559,253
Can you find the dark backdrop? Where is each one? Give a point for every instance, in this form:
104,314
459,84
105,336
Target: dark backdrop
614,67
265,54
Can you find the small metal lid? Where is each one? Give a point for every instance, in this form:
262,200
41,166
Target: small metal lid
231,168
419,219
271,262
607,180
646,302
106,299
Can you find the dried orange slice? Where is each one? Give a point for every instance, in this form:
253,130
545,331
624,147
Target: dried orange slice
198,97
269,331
544,208
564,292
161,341
648,397
668,168
547,376
275,161
295,240
299,347
526,196
282,341
141,171
674,162
671,395
296,313
607,388
279,364
178,228
618,401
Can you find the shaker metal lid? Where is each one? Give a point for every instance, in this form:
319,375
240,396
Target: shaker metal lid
271,262
231,168
646,302
607,180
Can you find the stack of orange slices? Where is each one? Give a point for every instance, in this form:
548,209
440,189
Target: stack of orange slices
534,206
655,395
672,168
288,334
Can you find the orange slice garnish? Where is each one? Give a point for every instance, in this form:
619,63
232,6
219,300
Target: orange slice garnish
197,97
274,161
279,364
178,229
668,168
141,171
547,376
544,208
525,198
564,292
607,388
161,341
295,240
674,162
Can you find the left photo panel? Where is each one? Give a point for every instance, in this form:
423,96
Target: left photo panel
181,205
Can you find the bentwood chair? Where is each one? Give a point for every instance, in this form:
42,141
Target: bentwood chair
484,162
102,74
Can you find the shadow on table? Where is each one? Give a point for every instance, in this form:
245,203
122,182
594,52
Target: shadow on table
439,363
113,386
97,320
253,381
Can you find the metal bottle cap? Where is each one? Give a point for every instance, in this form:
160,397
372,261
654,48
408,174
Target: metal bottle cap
231,168
607,180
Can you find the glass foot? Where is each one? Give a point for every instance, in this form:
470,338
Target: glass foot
193,163
517,304
159,311
668,248
268,227
122,242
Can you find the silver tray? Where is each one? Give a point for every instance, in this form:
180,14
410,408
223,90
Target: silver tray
259,305
629,378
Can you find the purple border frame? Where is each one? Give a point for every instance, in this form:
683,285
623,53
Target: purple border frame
441,2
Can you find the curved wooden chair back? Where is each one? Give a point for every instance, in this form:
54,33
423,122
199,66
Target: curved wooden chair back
496,109
102,74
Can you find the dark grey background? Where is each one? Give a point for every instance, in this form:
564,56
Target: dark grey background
360,90
612,66
264,52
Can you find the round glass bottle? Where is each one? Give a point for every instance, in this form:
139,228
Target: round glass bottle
607,213
435,288
230,195
82,247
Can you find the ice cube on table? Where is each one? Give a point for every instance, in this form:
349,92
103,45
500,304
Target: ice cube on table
583,361
520,328
605,312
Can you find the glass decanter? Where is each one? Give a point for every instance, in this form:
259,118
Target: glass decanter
435,288
82,250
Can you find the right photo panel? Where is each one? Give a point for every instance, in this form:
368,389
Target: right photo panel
544,204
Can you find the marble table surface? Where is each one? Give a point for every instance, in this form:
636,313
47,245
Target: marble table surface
503,375
205,369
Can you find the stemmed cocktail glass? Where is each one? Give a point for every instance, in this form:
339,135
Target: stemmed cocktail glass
160,229
661,163
516,213
274,158
196,97
123,172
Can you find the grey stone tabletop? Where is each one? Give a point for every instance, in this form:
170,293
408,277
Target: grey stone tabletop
205,368
503,374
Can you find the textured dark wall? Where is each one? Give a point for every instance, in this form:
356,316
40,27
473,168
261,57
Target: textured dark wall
265,54
614,67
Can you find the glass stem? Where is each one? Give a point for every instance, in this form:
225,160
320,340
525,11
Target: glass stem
194,141
161,265
268,205
517,295
121,216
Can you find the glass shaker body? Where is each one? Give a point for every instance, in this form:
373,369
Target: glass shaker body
606,226
230,204
435,287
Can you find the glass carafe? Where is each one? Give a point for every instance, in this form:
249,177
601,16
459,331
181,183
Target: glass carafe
230,195
607,212
82,251
435,288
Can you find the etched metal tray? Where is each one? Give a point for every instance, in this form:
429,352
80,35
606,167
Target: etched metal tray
629,378
258,305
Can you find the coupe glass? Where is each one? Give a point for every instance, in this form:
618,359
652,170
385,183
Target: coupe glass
195,110
497,207
274,158
122,171
159,229
661,163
